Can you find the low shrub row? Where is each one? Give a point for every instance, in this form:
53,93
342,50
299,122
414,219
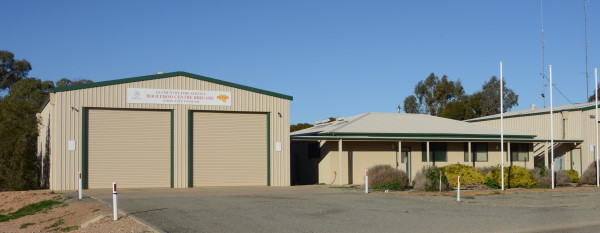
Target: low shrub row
432,178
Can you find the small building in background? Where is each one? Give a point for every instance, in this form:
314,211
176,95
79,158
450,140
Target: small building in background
339,151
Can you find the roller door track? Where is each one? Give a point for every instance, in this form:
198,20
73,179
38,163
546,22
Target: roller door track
130,147
229,149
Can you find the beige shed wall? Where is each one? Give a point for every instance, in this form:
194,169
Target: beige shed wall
44,139
68,123
369,153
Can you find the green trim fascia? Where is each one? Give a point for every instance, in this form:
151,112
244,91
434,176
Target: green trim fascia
425,135
189,165
534,113
586,108
84,143
300,138
168,75
172,147
268,149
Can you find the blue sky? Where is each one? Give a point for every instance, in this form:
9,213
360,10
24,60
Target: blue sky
337,58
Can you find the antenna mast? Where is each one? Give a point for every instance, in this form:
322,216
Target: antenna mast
543,95
587,77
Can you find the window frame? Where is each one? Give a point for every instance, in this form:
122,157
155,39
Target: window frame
518,149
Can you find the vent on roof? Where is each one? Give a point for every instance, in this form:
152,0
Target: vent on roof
321,122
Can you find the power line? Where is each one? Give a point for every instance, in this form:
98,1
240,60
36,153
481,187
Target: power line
560,92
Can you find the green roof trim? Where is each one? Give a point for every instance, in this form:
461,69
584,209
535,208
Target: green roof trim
487,118
420,135
168,75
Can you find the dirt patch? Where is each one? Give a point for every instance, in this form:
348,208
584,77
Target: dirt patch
66,217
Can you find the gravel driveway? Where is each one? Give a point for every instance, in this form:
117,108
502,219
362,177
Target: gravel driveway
326,209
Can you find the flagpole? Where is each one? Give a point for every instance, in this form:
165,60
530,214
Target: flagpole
596,123
551,130
501,127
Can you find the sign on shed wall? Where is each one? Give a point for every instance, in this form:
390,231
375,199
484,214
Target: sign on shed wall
169,96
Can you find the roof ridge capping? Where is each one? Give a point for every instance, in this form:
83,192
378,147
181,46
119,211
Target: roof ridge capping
538,111
168,75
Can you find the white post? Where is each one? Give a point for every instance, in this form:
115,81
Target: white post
458,194
596,123
366,181
340,154
440,181
470,155
80,187
551,131
115,215
501,127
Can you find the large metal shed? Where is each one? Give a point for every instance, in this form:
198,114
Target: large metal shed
166,130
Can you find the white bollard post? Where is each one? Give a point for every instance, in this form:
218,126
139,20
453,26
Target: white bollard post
366,181
115,215
80,187
440,181
458,194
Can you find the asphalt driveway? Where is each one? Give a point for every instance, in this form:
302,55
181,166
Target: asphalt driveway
325,209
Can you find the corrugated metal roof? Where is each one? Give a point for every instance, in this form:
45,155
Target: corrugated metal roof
537,111
420,139
397,124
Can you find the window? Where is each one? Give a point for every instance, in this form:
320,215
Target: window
519,152
438,151
479,151
314,150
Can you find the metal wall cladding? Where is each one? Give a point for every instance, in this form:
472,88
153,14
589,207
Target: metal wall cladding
130,147
576,125
67,120
229,149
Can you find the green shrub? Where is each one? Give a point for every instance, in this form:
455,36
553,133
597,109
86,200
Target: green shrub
382,177
514,176
468,175
589,176
492,183
428,179
574,175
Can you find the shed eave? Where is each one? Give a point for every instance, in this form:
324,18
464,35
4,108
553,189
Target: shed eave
168,75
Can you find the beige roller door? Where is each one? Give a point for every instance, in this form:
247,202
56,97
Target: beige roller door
131,147
229,149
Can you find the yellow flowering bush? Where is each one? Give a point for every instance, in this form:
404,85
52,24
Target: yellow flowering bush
468,175
514,176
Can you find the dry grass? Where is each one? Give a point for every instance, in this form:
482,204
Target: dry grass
589,176
386,177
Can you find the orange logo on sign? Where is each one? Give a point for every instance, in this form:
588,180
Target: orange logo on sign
223,98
